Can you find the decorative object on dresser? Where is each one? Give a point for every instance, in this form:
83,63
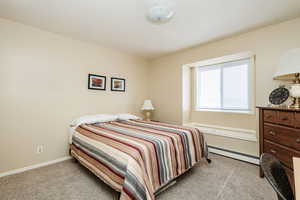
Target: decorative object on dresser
289,69
279,96
118,84
147,107
97,82
279,130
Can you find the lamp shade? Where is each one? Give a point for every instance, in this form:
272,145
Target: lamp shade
289,65
147,105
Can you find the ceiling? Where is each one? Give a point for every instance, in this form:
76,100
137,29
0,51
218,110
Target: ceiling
121,24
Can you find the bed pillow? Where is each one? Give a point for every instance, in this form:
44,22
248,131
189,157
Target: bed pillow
127,116
91,119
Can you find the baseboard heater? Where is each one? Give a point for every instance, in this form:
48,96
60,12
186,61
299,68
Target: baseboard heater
235,155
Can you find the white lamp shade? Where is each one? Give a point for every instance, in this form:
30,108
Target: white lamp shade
289,65
147,105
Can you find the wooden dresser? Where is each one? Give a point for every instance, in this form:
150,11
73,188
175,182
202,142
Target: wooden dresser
279,131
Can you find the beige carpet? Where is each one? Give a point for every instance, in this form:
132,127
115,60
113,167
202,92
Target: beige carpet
223,179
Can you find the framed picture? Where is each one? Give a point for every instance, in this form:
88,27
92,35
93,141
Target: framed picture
118,84
97,82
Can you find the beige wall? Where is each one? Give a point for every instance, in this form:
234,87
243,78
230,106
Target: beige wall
268,44
43,86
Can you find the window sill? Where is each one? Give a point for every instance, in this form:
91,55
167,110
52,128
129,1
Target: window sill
251,112
229,132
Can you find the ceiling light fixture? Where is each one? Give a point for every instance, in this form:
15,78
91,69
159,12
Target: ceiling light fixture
160,11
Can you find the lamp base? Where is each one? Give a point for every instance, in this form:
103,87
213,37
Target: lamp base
295,93
148,114
296,103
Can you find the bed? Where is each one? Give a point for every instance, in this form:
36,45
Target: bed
135,157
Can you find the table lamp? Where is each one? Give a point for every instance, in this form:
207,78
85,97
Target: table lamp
147,107
289,70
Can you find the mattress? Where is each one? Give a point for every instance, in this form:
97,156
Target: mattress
137,157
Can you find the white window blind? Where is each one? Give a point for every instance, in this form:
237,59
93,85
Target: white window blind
224,86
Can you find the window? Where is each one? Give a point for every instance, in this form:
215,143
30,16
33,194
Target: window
224,87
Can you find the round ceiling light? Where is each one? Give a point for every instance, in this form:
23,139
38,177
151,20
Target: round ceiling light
160,14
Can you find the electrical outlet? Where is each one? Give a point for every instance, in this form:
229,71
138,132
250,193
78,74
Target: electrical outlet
40,149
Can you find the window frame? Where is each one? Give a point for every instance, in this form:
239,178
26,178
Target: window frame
209,64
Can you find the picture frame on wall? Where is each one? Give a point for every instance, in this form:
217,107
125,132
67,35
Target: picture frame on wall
118,84
96,82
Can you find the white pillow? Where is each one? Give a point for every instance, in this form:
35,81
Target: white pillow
91,119
127,116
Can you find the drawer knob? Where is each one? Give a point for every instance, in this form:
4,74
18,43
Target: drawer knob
272,133
298,140
273,151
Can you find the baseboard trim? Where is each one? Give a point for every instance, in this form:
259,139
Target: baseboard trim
235,155
212,149
17,171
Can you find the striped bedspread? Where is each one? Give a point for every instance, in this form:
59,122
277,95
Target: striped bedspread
137,157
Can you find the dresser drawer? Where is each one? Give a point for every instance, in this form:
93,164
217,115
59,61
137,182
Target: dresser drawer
297,120
284,154
286,118
283,135
270,116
